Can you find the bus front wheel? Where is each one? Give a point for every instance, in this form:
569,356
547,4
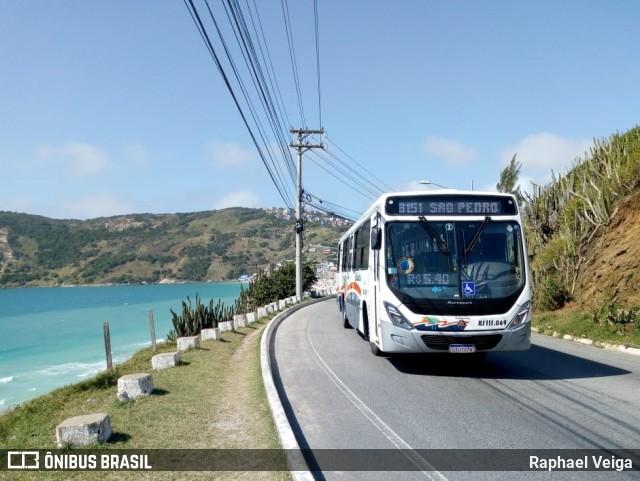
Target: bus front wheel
375,350
345,320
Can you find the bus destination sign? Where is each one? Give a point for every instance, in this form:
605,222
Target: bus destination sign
451,205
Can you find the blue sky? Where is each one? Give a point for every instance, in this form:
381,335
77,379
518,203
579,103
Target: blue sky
115,107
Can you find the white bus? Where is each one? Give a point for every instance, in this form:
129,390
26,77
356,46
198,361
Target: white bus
437,272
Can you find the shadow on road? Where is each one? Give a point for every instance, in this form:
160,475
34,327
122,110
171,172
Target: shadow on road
539,363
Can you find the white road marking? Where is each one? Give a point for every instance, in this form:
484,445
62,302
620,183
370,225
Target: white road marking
427,469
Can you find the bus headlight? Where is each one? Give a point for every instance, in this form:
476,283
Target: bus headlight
521,316
396,317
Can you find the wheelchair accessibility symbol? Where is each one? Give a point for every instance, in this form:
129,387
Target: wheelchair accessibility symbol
469,288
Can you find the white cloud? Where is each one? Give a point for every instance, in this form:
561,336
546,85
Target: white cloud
136,153
541,153
448,150
238,198
81,159
228,154
84,160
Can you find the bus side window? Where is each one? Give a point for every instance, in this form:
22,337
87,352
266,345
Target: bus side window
344,250
356,241
351,261
364,236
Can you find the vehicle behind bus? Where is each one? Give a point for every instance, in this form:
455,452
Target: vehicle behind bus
437,272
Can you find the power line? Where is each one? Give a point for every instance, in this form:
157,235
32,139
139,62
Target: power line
263,45
205,36
247,48
383,183
292,55
315,15
329,207
347,176
276,156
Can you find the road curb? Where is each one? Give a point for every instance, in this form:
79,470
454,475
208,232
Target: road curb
285,433
627,349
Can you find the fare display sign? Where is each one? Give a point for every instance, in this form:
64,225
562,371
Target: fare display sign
485,205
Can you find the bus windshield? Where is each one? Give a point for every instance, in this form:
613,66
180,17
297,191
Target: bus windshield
447,263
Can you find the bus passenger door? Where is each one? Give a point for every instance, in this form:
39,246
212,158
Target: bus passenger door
376,243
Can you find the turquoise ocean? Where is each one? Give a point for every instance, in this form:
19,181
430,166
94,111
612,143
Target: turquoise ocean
53,336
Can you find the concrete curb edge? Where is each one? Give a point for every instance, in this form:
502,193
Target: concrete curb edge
285,433
634,351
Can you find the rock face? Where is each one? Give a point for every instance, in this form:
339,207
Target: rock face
84,430
612,261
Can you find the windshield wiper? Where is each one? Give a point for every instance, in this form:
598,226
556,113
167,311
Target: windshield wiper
477,235
442,247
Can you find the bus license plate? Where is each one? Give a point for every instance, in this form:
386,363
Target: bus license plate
462,348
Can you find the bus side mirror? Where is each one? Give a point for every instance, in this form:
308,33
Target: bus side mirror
376,238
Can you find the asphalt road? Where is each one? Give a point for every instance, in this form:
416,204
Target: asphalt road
559,396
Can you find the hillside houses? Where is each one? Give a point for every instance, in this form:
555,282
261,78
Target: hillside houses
318,217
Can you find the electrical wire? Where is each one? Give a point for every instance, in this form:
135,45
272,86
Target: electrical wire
292,55
247,48
205,36
276,155
264,48
387,187
346,176
315,16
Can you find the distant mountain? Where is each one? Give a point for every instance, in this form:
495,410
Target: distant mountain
202,246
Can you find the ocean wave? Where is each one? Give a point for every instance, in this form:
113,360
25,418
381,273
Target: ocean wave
5,380
80,369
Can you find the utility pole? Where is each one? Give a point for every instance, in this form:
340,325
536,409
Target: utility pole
301,147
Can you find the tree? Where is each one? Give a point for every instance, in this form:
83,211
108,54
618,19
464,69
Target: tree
509,179
280,284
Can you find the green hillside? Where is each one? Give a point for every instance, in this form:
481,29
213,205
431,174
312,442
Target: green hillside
567,220
202,246
582,233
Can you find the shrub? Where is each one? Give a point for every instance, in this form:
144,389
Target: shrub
618,317
265,289
550,294
192,320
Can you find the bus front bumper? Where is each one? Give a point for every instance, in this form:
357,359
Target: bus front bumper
394,339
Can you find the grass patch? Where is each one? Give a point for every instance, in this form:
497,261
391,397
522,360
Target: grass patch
587,325
214,399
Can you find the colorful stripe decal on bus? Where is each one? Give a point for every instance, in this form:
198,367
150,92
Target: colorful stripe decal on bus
430,323
354,286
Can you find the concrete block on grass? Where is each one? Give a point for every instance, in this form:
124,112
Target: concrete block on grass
239,320
212,333
84,430
282,304
251,317
226,326
131,386
165,360
188,342
261,312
